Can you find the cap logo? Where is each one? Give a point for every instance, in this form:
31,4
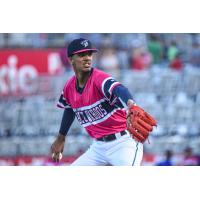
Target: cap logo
84,43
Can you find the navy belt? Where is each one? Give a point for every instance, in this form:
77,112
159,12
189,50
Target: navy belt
108,138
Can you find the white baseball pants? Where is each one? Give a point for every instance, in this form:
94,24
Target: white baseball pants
123,151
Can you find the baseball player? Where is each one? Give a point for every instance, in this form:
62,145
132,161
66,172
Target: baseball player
105,108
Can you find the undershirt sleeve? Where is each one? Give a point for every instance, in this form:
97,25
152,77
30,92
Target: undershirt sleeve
67,120
115,92
122,93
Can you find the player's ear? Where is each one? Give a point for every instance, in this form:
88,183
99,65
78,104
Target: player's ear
71,60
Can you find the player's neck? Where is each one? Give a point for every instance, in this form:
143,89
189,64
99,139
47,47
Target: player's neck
82,78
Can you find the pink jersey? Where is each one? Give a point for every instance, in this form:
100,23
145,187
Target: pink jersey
97,110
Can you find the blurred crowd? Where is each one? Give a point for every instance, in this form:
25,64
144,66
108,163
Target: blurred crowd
167,158
161,70
188,158
119,51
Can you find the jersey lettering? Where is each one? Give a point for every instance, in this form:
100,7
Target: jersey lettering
91,115
96,108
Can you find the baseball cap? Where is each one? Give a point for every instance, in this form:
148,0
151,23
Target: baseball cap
80,45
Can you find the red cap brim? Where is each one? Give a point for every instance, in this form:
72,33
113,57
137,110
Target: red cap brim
84,50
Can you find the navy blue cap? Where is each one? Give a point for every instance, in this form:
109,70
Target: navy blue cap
80,45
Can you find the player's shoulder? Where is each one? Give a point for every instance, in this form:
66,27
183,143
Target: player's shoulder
100,75
70,82
99,72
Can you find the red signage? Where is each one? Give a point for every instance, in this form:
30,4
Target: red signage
19,69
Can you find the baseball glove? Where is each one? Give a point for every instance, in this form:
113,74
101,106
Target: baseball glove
139,123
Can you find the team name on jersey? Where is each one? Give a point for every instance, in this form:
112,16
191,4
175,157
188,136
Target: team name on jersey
94,113
91,115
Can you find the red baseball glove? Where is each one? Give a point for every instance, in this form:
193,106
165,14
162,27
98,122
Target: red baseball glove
139,123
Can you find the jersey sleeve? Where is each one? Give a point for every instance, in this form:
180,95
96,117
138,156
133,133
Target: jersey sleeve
62,102
107,87
107,84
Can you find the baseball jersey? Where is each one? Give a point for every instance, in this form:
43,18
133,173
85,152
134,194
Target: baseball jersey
96,108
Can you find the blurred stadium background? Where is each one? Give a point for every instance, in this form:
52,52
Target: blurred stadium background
162,71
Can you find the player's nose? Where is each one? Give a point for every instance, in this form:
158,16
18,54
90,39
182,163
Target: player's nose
87,57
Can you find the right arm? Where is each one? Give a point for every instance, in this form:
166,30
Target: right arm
67,120
58,145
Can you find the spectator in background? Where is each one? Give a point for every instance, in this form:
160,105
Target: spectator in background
172,51
123,57
109,62
8,132
167,160
195,54
155,48
177,63
141,59
106,40
189,159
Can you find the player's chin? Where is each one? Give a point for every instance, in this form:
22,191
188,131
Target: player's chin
86,68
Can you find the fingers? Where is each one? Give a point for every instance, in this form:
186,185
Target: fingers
146,116
141,129
56,151
140,124
148,127
56,157
150,119
136,135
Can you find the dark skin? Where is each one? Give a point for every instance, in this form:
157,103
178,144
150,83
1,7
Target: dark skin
82,67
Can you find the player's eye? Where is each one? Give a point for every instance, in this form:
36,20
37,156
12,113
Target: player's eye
81,54
87,53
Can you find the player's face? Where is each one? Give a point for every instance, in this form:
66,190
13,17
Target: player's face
82,62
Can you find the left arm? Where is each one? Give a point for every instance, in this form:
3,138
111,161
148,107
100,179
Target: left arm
112,89
124,95
139,122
